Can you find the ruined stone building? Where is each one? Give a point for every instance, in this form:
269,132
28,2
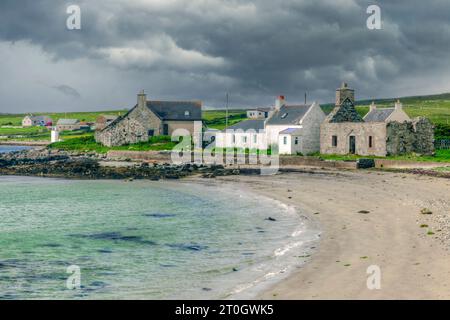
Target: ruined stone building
381,132
151,118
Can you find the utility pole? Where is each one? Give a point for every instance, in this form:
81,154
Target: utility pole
226,114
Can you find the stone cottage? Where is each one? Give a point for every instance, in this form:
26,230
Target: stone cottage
150,118
295,128
381,132
68,125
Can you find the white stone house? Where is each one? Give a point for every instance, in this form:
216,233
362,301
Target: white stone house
290,141
259,113
294,128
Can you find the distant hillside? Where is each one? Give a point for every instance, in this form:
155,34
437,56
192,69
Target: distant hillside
16,119
435,107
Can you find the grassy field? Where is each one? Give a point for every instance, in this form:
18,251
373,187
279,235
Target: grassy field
217,118
87,144
10,125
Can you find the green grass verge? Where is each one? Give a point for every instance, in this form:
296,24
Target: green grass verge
88,144
440,156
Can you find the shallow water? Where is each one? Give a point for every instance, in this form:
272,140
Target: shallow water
7,149
141,239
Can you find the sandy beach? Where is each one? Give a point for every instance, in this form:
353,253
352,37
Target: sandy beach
367,218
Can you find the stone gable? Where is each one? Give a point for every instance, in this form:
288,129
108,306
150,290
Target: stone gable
133,127
346,112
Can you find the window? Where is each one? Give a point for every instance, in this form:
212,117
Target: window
244,139
284,140
234,138
296,140
151,133
187,113
255,138
334,141
370,142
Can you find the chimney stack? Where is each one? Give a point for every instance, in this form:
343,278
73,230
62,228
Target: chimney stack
373,106
344,92
142,99
281,101
398,105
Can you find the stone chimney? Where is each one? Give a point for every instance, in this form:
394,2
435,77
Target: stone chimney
281,101
398,105
343,93
142,99
373,107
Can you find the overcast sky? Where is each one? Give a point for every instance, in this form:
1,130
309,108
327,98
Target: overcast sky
200,49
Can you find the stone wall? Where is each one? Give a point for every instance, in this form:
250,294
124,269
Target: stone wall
424,136
399,138
288,161
410,137
311,130
361,131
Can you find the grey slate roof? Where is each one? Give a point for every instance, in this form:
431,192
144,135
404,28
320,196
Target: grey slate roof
378,115
263,109
66,122
290,131
39,118
288,114
176,110
248,124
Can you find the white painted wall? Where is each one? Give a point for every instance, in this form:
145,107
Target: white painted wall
273,131
54,136
287,145
240,139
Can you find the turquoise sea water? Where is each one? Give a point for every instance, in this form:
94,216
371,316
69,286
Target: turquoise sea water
142,239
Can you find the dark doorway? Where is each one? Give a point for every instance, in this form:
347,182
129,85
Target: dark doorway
352,145
151,133
165,129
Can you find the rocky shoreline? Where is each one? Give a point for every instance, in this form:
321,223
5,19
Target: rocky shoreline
63,164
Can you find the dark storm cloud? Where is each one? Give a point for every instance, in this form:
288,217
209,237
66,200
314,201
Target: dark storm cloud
255,49
68,91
